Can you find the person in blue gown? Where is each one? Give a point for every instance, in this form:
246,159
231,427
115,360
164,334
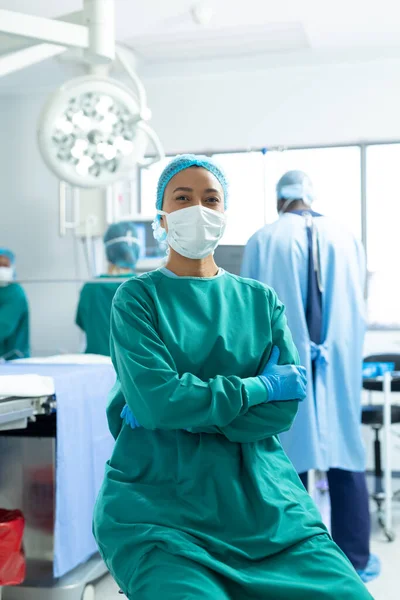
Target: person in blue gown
318,270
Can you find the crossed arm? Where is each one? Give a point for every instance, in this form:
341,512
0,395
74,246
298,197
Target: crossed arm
157,395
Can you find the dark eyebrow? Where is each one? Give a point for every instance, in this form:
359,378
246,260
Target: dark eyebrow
183,189
188,189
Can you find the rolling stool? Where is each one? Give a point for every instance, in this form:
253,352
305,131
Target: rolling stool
373,415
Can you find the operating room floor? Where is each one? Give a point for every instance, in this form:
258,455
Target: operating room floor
386,587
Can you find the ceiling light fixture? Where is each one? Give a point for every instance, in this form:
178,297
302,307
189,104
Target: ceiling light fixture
92,132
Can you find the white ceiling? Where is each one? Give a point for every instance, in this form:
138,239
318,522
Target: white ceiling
327,24
161,31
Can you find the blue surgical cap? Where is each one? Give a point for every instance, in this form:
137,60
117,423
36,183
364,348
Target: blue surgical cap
122,244
295,185
180,163
8,254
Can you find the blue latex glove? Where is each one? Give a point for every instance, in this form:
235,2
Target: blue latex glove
283,382
129,418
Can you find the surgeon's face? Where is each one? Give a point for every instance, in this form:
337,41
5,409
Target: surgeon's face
193,187
4,261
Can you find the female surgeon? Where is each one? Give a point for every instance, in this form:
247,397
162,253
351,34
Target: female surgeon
14,311
199,500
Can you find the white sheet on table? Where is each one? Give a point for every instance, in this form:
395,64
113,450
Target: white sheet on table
68,359
26,386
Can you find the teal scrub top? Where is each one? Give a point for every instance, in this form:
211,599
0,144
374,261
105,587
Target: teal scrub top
14,322
205,476
94,310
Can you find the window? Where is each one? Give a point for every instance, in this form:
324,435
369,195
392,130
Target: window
244,172
335,173
336,177
383,240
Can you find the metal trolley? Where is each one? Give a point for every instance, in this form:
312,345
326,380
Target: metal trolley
28,435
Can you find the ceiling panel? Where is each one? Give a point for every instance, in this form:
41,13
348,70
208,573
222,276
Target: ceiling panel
226,42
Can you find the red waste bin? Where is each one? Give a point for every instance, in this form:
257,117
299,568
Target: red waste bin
12,560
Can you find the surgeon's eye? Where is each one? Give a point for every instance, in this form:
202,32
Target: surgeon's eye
183,199
213,200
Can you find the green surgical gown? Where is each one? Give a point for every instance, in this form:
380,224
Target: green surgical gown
14,322
201,501
94,310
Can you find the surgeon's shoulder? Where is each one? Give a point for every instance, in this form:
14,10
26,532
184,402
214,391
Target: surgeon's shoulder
334,231
140,288
255,288
18,292
87,289
264,231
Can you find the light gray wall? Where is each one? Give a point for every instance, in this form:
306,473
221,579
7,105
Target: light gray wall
287,105
29,226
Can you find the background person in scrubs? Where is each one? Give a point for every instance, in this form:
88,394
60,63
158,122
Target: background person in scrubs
93,316
318,270
199,500
14,311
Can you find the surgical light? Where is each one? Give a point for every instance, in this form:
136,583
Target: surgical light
92,132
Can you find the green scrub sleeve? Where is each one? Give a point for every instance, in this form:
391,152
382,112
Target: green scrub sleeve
10,315
272,418
157,395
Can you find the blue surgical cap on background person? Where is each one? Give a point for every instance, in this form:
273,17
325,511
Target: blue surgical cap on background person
180,163
122,244
295,185
8,254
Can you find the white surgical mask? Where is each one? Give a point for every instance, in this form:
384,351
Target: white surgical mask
194,232
6,275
